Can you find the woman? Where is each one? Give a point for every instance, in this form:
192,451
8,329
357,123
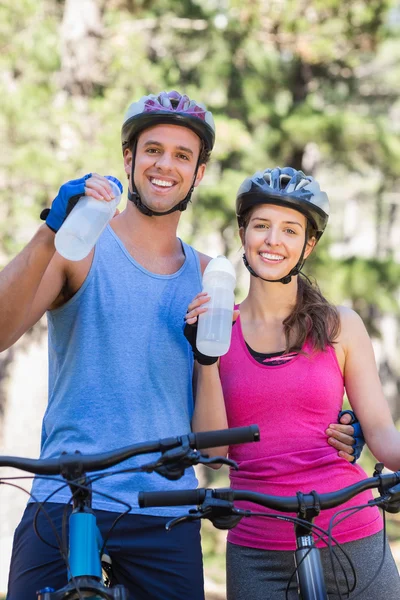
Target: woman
292,356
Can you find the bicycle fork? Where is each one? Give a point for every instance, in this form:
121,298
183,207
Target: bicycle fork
310,578
85,542
84,564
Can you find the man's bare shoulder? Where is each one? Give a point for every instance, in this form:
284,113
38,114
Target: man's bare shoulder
204,260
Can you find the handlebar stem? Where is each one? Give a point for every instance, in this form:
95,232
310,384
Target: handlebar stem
74,473
307,513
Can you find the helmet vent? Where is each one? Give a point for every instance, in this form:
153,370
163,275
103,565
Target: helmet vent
302,184
267,178
284,180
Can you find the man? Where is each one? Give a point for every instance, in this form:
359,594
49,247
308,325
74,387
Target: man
120,369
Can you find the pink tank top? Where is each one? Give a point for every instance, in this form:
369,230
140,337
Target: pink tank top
293,404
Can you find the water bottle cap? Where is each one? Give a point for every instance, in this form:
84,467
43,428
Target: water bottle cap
116,185
220,264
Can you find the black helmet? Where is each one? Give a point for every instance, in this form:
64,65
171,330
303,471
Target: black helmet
285,187
168,108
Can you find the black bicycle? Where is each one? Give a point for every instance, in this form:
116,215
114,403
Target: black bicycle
217,505
86,550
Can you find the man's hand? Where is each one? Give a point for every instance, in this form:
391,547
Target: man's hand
347,438
92,184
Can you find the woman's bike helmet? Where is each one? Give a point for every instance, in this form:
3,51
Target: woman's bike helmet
285,187
170,108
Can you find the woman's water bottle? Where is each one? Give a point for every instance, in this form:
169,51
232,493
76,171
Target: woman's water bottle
85,223
215,326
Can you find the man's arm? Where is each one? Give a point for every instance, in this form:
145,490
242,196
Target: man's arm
34,280
19,284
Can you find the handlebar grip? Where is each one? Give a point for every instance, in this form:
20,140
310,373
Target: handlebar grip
225,437
173,498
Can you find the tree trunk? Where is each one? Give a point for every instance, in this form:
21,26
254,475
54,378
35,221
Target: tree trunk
81,34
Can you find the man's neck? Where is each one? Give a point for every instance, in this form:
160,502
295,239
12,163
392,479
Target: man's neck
151,241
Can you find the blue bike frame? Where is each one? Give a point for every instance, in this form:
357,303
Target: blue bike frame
84,560
85,544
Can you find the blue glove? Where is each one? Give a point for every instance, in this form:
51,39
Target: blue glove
358,434
68,195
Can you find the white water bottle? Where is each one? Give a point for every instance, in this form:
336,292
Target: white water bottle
85,223
215,326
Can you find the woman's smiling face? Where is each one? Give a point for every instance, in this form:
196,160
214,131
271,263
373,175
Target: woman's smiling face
273,240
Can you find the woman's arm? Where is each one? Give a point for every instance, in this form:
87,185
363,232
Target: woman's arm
364,390
209,413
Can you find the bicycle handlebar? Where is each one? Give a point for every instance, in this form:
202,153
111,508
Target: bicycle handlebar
97,462
176,497
225,437
280,503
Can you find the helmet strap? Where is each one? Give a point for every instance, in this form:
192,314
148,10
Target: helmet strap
134,196
287,278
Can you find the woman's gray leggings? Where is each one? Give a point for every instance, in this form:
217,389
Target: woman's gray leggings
254,574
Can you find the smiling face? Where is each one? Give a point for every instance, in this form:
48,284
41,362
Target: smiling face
273,240
165,163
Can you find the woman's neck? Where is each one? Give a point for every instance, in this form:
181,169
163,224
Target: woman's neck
268,301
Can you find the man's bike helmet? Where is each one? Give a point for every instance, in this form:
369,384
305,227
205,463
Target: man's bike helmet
166,108
285,187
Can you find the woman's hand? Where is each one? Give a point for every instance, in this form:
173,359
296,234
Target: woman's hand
196,308
190,330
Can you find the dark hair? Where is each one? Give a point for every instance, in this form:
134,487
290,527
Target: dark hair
313,318
205,154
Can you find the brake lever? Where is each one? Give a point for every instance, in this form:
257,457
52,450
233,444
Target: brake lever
221,513
390,501
172,463
194,515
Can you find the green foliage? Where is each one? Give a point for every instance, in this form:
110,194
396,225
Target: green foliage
277,77
369,285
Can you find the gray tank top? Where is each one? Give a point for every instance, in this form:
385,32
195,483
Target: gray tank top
120,370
